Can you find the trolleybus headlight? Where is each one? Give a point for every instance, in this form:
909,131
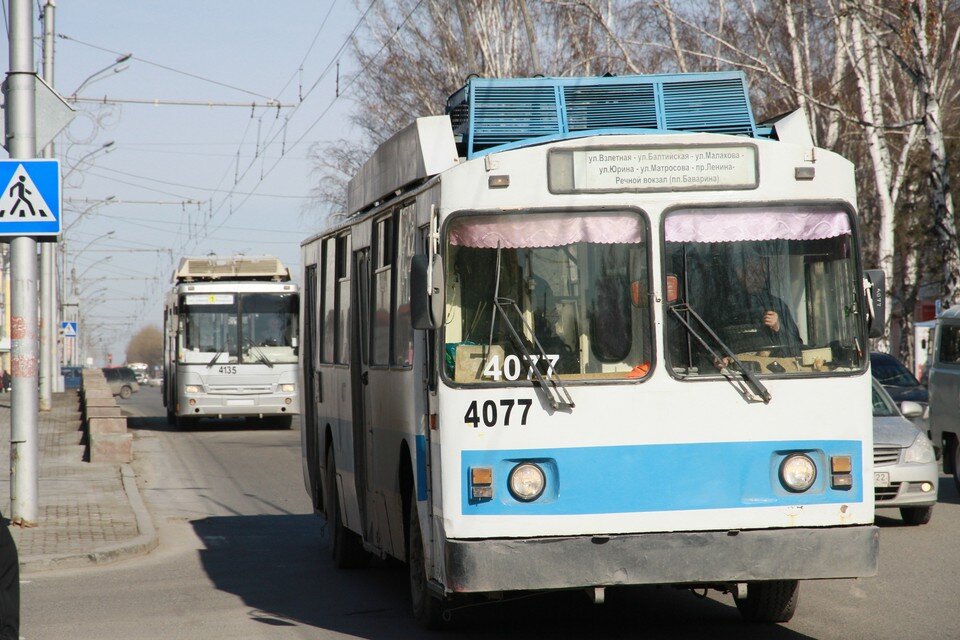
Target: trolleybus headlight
288,388
527,482
797,472
191,388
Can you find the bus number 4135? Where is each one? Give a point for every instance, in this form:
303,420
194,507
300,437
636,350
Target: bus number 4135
489,412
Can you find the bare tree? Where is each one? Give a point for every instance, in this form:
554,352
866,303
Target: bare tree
146,346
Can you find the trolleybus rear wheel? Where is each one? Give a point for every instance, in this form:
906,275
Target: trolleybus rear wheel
346,549
427,608
773,601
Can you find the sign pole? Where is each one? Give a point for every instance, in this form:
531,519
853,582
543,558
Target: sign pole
24,410
49,371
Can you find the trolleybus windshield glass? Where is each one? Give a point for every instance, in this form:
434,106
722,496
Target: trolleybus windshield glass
778,286
574,283
268,324
239,328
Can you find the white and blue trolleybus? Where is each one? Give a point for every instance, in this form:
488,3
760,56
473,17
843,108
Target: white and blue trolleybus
580,333
230,341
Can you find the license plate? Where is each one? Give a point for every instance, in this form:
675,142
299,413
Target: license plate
881,479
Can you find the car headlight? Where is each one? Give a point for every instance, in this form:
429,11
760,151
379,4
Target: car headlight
191,388
527,482
920,451
797,472
288,388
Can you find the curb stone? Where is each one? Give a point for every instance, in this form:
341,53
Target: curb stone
144,543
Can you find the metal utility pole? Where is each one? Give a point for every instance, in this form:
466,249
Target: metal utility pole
24,411
49,371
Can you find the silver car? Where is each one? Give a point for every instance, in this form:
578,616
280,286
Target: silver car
905,470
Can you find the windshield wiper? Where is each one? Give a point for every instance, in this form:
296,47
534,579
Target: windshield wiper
551,384
215,356
757,387
261,356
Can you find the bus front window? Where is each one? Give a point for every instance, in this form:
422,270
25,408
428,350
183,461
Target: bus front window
269,327
571,290
209,328
776,286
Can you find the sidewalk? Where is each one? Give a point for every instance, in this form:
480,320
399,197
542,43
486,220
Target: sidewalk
88,513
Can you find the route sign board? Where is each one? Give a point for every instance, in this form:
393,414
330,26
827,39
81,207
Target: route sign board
30,201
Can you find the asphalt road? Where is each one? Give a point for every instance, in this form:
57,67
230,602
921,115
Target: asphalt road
242,556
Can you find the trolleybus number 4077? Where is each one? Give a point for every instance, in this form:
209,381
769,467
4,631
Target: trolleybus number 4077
489,412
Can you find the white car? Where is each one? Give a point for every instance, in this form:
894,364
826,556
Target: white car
905,470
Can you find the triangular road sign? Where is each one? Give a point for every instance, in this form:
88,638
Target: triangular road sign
69,329
21,199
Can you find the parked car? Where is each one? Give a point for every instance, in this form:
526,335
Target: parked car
905,469
71,377
122,381
897,379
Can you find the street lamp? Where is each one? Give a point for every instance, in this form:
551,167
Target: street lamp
117,66
87,246
74,277
93,206
106,147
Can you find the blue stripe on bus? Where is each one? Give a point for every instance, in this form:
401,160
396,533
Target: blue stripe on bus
421,443
663,477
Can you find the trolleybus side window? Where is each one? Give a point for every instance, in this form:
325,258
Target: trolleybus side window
774,287
557,291
343,299
382,272
328,308
402,328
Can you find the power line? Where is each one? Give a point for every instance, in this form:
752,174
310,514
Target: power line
333,101
156,102
329,106
165,67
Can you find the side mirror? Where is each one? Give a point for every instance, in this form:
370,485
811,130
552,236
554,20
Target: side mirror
911,409
876,291
426,292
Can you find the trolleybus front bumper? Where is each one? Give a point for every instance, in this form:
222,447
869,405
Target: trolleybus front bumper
704,557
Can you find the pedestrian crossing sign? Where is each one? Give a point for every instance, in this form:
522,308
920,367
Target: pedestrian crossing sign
30,201
68,329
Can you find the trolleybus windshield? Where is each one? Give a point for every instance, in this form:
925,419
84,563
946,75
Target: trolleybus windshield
239,328
777,286
574,283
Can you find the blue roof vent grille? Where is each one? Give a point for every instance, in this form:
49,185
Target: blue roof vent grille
495,114
610,106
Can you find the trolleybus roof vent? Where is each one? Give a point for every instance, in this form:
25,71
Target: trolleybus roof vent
504,113
196,269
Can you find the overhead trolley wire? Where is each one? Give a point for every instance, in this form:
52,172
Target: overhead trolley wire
399,28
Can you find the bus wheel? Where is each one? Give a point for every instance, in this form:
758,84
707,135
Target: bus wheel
345,546
427,608
773,601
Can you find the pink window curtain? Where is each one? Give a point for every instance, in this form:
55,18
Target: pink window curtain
692,226
545,230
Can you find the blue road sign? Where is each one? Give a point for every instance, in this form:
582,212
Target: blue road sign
30,201
68,329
